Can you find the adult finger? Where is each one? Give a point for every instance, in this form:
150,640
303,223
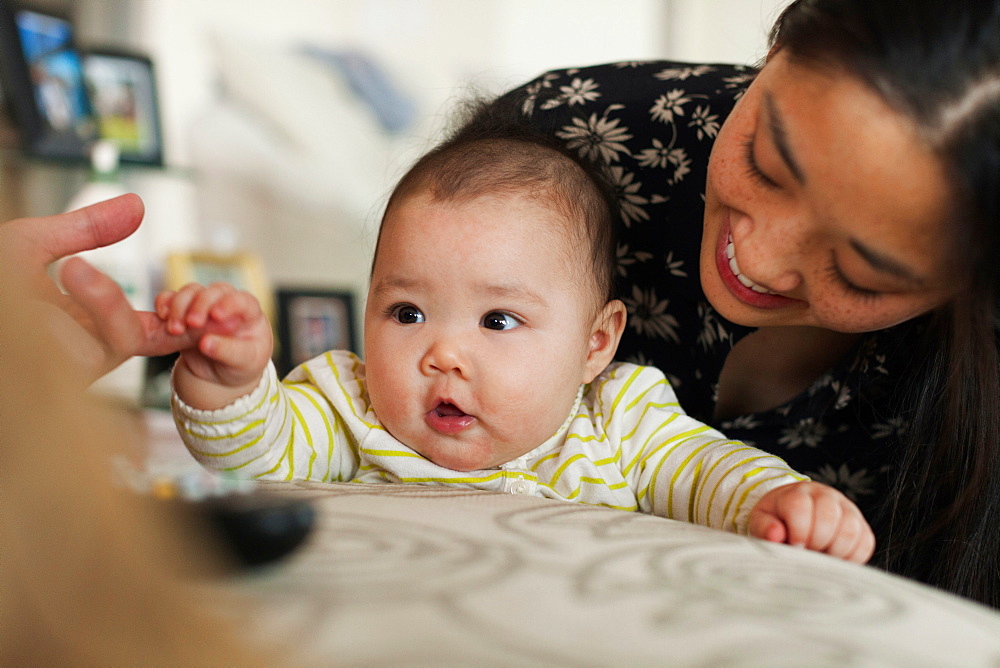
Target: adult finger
122,331
74,338
115,323
36,242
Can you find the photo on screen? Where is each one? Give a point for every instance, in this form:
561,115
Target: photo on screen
122,92
45,71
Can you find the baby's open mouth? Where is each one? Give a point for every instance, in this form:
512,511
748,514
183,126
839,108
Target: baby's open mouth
449,410
447,418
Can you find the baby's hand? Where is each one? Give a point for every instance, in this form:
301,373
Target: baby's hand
814,516
233,337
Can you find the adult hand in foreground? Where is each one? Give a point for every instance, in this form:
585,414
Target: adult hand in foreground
94,322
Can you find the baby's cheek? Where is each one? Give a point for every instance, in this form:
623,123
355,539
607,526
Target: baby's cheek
543,413
380,391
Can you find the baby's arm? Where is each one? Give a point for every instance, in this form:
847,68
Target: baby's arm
814,516
233,342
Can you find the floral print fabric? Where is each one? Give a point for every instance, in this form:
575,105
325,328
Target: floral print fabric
653,124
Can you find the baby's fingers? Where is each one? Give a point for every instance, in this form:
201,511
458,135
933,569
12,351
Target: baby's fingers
814,516
235,355
175,307
767,526
204,301
864,548
235,309
237,334
795,507
827,519
854,539
161,303
839,529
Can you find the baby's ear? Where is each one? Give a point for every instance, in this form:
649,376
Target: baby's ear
604,337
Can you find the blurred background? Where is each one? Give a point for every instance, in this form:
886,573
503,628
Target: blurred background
278,128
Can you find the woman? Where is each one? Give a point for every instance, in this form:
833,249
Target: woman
839,304
854,190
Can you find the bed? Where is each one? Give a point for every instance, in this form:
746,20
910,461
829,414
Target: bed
419,575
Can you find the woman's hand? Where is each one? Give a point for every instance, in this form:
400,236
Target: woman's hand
814,516
95,322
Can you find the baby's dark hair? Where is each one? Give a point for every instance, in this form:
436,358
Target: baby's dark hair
494,151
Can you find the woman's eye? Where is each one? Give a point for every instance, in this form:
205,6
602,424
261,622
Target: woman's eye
850,288
407,314
498,320
752,169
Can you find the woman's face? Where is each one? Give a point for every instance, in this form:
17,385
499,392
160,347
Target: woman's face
823,207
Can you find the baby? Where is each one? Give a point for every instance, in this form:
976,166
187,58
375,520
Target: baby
490,328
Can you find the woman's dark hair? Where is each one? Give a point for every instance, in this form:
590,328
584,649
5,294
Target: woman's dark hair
938,63
494,150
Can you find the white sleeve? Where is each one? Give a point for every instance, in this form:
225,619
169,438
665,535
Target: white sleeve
681,468
277,432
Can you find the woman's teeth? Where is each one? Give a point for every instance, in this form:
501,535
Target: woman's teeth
735,268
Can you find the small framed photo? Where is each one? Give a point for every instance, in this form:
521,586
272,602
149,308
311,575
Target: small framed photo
122,91
243,270
311,322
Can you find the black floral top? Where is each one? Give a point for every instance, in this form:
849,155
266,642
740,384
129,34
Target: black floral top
653,124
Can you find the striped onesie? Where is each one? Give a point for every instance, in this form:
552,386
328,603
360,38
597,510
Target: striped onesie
626,444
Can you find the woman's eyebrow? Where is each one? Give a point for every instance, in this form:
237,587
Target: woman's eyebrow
886,264
780,135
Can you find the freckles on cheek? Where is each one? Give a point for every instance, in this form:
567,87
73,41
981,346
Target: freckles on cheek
836,312
859,318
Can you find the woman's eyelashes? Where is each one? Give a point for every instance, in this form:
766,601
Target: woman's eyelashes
752,168
408,314
834,272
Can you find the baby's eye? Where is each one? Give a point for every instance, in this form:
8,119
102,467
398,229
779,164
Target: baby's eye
407,314
500,321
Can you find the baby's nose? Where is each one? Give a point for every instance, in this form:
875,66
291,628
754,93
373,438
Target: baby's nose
445,355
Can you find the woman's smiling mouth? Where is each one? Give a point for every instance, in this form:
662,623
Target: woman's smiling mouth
447,418
740,285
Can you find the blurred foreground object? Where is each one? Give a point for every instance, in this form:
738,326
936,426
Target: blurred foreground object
90,574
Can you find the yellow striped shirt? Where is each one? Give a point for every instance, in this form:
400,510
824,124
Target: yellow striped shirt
627,444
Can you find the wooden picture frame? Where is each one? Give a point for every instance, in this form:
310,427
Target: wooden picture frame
310,322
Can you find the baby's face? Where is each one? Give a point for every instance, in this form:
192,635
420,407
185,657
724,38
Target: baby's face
478,327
